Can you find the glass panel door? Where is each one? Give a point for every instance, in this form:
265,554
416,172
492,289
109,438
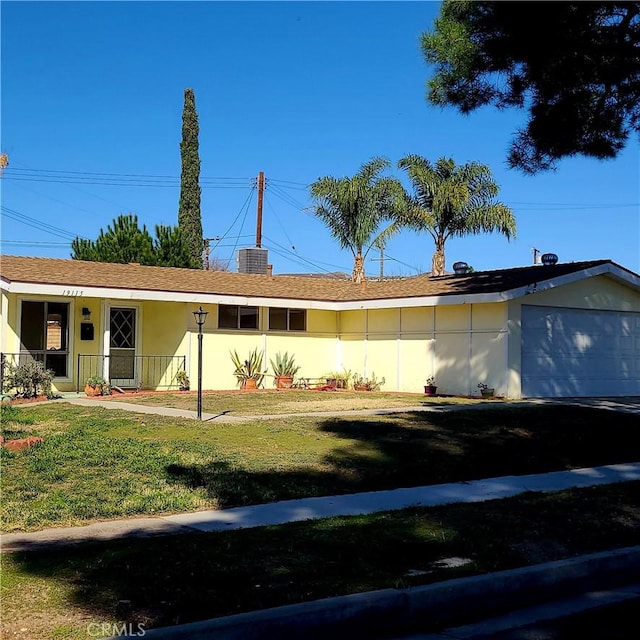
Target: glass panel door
122,347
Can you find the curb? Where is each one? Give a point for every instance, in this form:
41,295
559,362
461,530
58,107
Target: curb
427,608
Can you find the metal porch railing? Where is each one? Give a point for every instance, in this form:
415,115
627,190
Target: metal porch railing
131,372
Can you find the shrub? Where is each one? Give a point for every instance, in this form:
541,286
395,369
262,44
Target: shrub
30,379
360,383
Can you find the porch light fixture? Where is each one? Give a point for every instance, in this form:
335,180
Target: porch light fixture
86,313
200,317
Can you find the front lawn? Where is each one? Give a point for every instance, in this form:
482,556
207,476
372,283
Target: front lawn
98,463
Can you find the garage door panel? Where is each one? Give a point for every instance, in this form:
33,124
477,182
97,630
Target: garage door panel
578,352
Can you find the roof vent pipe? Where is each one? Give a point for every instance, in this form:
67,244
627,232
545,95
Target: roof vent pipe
549,259
460,268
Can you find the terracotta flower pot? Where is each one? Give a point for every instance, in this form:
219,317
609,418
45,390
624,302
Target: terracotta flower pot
92,391
284,382
249,383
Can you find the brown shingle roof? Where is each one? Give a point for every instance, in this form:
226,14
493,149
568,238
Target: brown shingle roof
76,273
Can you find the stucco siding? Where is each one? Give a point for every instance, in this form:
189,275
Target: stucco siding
416,362
316,354
488,362
352,322
599,292
322,321
453,318
417,319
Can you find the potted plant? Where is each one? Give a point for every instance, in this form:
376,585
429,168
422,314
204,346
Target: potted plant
183,380
338,380
284,370
248,373
97,386
361,383
430,389
486,391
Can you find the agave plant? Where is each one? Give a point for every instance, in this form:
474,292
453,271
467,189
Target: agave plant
250,369
284,365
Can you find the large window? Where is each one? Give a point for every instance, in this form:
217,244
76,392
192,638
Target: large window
44,333
236,317
287,319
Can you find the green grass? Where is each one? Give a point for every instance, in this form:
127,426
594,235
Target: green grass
57,593
98,463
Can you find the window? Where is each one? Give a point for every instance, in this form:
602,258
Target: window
236,317
44,334
287,319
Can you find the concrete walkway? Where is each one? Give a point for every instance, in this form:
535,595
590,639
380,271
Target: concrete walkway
323,507
622,405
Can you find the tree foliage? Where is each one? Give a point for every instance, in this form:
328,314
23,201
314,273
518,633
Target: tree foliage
124,241
189,216
353,208
573,65
450,200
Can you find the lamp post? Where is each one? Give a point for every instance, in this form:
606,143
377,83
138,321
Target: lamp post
200,318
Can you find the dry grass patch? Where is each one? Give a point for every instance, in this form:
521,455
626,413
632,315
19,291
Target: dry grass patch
274,402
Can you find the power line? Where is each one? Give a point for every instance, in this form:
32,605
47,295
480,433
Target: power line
18,216
285,197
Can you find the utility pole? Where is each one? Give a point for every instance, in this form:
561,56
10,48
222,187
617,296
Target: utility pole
259,220
207,250
536,255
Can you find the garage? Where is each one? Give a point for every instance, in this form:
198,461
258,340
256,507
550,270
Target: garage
579,352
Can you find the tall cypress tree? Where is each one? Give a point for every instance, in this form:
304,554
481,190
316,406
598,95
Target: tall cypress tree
189,217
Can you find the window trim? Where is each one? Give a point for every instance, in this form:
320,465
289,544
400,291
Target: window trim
70,330
238,316
288,311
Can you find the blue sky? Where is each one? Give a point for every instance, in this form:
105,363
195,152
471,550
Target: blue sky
92,97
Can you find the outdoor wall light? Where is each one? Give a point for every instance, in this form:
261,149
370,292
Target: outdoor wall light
86,313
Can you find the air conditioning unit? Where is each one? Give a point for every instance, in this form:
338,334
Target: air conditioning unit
253,260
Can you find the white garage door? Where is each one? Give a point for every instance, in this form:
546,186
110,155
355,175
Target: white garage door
577,352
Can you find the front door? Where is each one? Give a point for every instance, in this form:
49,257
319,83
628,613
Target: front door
122,347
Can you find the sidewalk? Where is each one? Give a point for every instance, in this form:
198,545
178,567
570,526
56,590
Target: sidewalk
623,405
323,507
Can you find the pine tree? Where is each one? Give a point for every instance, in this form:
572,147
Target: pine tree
124,241
170,248
189,217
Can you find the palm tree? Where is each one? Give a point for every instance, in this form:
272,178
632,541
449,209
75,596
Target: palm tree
353,209
453,201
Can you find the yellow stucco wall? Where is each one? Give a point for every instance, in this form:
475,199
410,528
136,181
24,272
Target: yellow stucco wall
460,345
315,349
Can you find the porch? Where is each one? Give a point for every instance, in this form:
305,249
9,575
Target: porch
126,371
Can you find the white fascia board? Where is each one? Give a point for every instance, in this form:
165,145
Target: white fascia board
30,288
425,301
208,298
